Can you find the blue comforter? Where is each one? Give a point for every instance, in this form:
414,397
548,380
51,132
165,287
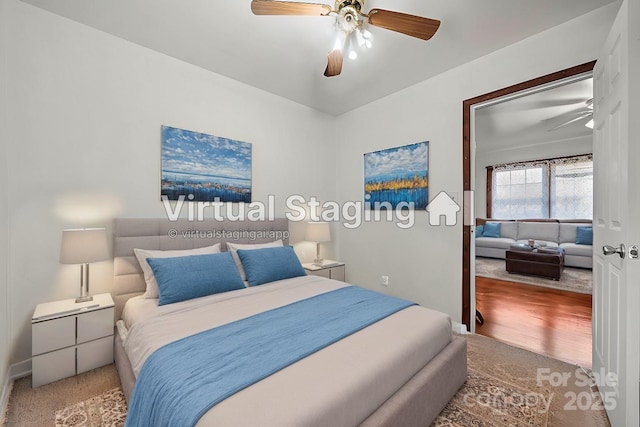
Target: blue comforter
179,382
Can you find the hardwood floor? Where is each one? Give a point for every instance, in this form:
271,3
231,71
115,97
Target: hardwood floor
547,321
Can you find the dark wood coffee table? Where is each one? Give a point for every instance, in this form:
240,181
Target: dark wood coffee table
537,262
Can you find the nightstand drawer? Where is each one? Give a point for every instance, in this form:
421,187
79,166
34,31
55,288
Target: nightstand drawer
95,324
322,273
53,334
94,354
337,273
53,366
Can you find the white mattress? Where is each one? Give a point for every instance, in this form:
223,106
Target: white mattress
339,385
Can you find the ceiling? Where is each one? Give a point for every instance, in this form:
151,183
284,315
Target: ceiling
535,118
286,55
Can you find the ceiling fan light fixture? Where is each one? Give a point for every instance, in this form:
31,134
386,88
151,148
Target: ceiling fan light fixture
339,43
350,46
364,38
360,39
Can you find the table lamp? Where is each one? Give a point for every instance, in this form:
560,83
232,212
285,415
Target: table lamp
82,246
318,232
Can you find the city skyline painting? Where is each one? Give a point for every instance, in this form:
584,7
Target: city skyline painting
397,176
204,168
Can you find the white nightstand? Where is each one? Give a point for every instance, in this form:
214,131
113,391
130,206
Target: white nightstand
332,271
68,338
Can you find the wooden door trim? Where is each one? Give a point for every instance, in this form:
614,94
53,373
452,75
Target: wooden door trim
466,163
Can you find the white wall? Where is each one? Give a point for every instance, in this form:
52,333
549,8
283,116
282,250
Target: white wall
425,263
547,150
83,144
4,287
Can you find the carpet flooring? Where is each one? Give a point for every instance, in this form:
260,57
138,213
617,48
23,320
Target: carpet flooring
37,407
506,386
573,279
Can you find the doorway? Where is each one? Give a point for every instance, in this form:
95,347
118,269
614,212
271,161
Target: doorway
469,116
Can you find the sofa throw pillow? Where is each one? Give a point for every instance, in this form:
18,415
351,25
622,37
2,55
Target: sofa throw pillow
584,236
479,230
491,229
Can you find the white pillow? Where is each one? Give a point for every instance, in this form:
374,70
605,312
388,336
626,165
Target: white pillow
143,254
233,248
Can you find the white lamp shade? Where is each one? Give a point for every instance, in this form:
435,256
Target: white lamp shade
84,246
318,232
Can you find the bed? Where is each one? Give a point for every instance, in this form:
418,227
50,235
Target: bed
374,376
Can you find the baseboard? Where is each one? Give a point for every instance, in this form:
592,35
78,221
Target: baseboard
15,371
459,328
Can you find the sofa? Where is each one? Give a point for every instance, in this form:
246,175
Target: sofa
494,237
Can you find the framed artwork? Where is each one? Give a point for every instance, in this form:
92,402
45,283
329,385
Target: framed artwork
396,175
204,168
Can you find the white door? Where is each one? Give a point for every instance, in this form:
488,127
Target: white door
616,222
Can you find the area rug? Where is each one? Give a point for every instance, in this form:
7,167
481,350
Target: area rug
506,386
509,386
107,409
573,279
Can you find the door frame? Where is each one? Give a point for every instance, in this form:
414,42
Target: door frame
467,107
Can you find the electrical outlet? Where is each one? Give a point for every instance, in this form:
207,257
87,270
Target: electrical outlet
384,280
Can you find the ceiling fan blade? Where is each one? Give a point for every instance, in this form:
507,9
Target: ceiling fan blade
569,115
270,7
575,119
334,63
411,25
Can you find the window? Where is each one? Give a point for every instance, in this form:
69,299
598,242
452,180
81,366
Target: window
556,188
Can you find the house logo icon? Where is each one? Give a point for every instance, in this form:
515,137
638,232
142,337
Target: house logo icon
443,205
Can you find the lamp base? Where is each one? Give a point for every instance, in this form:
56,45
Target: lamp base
84,284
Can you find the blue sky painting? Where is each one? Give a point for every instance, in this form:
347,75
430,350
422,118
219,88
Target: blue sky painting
205,168
398,174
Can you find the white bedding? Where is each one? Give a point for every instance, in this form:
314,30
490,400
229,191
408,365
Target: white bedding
339,385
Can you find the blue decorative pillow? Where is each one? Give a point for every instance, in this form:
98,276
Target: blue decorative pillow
195,276
479,230
584,235
270,264
491,229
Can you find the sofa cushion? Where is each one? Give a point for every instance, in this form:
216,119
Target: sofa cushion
544,231
577,250
509,230
568,232
479,230
494,242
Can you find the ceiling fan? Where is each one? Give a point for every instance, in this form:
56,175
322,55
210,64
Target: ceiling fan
585,112
350,21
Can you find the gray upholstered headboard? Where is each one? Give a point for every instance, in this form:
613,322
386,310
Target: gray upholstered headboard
163,234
